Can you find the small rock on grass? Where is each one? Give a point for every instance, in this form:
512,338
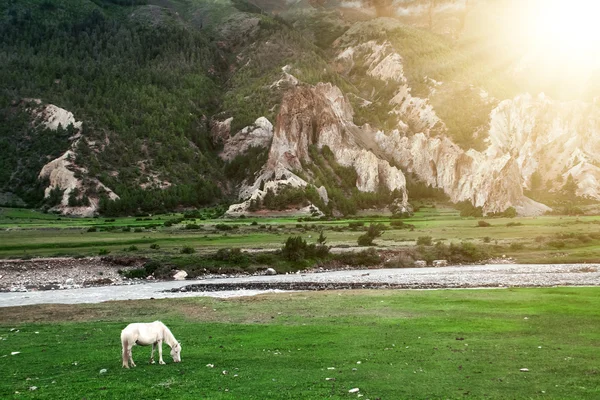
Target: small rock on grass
103,370
355,390
524,370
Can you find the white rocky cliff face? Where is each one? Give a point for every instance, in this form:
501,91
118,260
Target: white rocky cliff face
61,172
321,116
492,180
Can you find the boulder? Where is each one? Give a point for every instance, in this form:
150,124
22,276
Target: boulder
420,264
180,275
271,271
440,263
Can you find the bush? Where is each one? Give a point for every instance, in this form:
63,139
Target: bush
517,246
224,227
92,229
187,250
514,224
152,266
365,258
374,231
103,252
231,255
487,239
356,225
483,224
154,246
557,244
296,249
192,226
424,241
133,247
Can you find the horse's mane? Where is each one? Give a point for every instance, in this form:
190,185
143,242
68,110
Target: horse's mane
169,337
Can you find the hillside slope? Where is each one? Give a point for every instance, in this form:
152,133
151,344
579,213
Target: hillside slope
120,107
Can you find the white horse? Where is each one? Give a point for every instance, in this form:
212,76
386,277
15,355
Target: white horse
145,334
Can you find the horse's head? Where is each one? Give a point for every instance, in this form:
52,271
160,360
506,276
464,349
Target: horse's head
176,352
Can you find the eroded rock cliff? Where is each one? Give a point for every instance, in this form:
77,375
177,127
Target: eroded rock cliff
63,173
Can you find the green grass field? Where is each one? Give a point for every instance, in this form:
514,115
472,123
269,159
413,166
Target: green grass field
446,344
546,239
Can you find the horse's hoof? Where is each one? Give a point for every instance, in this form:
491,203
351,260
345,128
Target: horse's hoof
161,362
152,362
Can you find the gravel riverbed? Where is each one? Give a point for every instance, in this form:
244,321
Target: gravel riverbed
473,276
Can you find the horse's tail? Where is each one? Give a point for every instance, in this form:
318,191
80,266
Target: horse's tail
125,345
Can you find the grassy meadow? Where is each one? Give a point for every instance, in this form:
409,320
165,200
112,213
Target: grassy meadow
446,344
546,239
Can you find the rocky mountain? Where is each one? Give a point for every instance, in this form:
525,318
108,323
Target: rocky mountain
274,107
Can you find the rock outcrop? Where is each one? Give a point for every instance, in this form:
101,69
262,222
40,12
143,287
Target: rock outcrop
492,180
63,173
553,138
320,116
257,135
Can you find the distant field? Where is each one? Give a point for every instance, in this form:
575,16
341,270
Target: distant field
445,344
547,239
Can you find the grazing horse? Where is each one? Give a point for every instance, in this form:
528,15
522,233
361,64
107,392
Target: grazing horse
145,334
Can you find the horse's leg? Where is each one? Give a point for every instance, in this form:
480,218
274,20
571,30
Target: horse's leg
131,356
152,354
159,344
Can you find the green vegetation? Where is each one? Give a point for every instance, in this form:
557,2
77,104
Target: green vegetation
547,239
373,232
389,344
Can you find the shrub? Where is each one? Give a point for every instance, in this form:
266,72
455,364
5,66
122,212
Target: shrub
356,225
224,227
138,230
154,246
152,266
517,246
103,252
514,224
133,247
487,239
557,244
187,250
92,229
231,255
192,226
365,258
139,273
584,238
374,231
424,241
483,224
294,249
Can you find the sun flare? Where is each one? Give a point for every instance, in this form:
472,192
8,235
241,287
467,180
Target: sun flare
567,30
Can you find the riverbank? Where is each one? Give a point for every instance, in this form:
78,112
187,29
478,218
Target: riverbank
475,276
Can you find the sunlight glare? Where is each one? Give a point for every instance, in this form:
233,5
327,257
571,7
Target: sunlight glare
567,30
